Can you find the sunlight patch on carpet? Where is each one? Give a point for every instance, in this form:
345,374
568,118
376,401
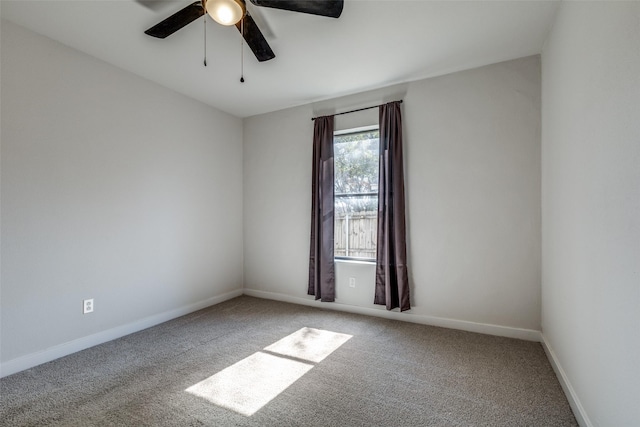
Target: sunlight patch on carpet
309,344
248,385
251,383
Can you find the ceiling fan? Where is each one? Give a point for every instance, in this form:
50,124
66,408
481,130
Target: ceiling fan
234,12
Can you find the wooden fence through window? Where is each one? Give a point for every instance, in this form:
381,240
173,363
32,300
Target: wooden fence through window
355,234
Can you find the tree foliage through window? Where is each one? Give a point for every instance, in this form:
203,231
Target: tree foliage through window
356,170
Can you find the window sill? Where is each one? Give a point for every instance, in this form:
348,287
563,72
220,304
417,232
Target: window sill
354,261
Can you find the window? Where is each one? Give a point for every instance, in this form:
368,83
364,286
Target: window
356,154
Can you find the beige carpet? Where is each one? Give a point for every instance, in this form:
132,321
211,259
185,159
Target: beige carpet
253,362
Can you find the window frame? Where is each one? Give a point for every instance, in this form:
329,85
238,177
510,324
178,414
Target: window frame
350,131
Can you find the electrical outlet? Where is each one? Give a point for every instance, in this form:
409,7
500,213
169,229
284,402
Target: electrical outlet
87,306
352,282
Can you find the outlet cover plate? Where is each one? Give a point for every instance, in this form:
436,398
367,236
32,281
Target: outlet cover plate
87,306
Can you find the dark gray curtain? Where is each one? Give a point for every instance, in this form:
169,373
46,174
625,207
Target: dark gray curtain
392,280
321,264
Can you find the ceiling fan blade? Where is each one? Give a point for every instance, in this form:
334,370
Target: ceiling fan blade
254,38
330,8
176,21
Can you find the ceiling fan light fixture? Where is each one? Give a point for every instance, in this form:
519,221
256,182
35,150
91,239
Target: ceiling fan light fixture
225,12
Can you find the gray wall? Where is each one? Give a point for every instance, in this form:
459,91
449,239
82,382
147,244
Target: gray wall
591,207
113,188
472,143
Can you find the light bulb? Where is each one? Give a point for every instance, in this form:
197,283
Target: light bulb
225,15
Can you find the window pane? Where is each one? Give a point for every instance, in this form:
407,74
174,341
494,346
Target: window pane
356,194
356,226
356,162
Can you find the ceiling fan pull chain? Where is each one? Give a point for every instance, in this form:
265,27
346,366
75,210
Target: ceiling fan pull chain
204,19
242,51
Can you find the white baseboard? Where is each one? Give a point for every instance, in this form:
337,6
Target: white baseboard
483,328
578,410
30,360
38,358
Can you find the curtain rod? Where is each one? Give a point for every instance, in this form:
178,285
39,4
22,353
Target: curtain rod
359,109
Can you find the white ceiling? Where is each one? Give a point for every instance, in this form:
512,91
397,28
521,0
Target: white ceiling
374,43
